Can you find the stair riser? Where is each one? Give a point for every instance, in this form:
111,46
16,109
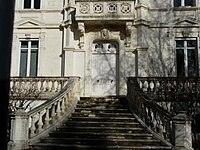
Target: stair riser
77,147
93,118
97,124
100,130
103,136
99,115
103,142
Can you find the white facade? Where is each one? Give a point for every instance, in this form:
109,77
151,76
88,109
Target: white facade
104,42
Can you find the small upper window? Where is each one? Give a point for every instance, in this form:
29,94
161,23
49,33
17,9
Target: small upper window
178,3
31,4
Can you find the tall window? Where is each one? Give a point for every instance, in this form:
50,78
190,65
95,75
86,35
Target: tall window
186,57
178,3
31,4
29,58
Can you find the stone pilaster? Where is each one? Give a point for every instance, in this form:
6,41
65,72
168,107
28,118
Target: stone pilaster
18,131
182,132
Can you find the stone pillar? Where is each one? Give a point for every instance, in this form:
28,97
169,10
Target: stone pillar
182,133
18,131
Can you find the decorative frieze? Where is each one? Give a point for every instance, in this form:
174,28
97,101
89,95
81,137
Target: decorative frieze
92,9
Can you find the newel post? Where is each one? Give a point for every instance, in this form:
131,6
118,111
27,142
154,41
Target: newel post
18,131
182,132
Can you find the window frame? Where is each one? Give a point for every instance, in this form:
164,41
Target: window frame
30,51
185,53
183,4
32,6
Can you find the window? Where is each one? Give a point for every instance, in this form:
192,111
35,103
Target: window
178,3
186,58
29,58
31,4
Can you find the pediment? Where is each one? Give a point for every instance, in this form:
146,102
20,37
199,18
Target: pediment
29,23
185,21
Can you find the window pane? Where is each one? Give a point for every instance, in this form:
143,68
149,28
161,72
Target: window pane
33,63
23,62
191,43
177,3
34,44
37,4
180,43
189,3
24,44
180,63
27,3
192,69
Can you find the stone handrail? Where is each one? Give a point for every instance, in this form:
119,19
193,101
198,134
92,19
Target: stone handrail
150,114
27,128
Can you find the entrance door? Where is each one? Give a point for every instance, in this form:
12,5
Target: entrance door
104,68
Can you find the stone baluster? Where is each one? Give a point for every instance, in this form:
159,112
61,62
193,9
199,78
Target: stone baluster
40,123
53,114
42,88
59,85
32,128
153,120
47,85
53,85
63,106
47,119
58,110
148,116
66,102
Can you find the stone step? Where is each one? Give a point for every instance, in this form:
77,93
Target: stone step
100,141
50,146
102,105
111,110
101,129
93,117
100,114
100,124
103,135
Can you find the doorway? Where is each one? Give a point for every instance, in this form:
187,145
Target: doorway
104,68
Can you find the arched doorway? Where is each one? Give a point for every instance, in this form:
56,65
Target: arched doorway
104,68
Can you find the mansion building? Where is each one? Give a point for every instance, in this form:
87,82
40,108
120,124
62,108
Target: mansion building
128,67
106,41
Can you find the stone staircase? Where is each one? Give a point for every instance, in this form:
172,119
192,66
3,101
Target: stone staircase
101,123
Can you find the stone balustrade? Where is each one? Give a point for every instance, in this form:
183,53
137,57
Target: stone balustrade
146,96
32,87
39,121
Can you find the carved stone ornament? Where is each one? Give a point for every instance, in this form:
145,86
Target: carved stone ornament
112,8
81,28
185,33
98,8
84,8
125,8
105,34
128,34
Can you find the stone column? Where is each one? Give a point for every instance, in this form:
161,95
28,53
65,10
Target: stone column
18,131
182,133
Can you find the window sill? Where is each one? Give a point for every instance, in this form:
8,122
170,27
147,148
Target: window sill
183,8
